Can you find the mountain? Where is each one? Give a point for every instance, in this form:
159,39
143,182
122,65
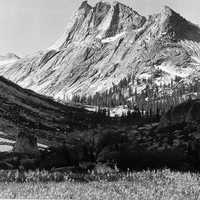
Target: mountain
22,109
107,43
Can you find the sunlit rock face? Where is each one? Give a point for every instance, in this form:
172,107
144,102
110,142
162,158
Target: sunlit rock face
106,43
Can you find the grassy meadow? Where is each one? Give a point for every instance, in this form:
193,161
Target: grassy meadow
145,185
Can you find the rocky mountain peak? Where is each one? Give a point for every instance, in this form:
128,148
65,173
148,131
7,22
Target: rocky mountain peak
85,6
106,43
167,11
100,11
177,26
124,19
101,21
121,16
9,58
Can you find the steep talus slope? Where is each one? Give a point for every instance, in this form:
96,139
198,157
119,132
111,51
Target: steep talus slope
105,44
26,110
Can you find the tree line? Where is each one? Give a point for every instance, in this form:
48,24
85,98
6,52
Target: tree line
147,100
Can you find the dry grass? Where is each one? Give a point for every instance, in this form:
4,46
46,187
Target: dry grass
147,185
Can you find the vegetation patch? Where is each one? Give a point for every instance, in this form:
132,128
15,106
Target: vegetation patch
143,185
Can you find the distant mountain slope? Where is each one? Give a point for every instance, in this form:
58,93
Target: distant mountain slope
105,44
24,109
8,59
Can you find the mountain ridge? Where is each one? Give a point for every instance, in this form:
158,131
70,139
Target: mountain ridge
106,43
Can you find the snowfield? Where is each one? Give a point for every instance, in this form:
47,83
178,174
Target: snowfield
173,71
114,38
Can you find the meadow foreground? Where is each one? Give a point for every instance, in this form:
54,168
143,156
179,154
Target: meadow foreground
148,185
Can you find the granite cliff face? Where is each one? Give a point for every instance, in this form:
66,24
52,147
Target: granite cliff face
105,44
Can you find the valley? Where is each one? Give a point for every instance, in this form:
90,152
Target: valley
111,109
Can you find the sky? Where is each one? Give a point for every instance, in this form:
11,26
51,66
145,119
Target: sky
27,26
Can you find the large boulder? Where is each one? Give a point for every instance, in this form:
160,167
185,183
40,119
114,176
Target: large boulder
26,143
187,112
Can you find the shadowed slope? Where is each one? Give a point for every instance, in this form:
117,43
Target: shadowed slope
21,108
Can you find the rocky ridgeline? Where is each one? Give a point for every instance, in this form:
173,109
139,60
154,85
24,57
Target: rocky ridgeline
106,43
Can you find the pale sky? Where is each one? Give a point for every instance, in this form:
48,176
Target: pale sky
31,25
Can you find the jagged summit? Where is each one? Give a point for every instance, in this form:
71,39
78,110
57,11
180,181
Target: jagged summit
9,58
100,21
84,8
85,5
166,10
177,26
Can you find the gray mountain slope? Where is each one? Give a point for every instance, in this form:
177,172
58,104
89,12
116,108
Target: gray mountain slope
105,44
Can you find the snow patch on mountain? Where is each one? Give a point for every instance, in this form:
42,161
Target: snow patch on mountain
5,62
114,38
113,112
173,71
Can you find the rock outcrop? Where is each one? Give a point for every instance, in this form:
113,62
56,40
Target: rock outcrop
26,143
